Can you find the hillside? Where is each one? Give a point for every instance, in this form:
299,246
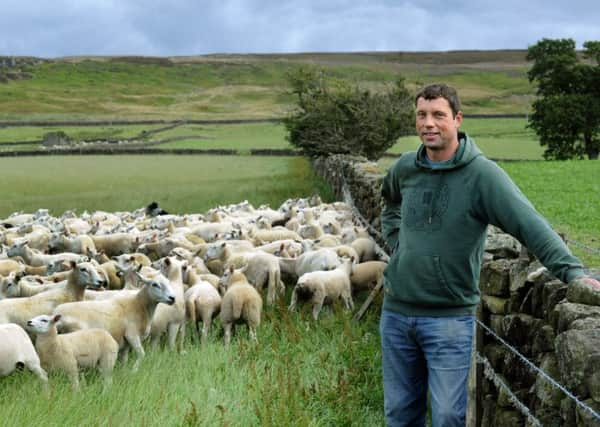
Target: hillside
246,86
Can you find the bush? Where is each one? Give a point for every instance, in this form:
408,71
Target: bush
335,117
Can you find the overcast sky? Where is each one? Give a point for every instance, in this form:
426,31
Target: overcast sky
55,28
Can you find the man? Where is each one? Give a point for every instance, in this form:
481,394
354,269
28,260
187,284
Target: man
438,204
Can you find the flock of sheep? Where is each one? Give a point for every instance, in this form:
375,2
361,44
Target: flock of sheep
87,289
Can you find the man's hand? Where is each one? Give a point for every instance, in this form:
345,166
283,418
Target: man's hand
590,281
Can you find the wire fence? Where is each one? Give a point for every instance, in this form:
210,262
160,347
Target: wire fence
488,370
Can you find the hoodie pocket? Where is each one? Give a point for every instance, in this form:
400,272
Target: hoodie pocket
420,280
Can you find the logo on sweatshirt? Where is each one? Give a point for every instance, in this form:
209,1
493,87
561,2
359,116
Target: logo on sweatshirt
424,207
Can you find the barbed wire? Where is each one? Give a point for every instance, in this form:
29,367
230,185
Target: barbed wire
488,369
544,375
582,246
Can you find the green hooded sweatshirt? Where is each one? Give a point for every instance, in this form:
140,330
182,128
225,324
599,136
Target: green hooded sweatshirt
435,219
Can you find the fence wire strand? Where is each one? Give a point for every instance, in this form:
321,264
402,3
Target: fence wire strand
490,374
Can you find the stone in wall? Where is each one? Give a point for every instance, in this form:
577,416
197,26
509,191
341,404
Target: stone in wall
543,340
576,350
500,244
495,305
583,293
545,391
545,296
565,313
585,418
494,279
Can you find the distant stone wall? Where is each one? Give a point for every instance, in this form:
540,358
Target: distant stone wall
555,326
362,177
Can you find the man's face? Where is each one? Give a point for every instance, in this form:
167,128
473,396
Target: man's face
435,124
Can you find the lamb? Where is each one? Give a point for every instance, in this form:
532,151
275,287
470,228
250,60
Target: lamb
35,258
319,260
261,268
36,235
116,243
170,319
367,275
203,303
240,302
80,244
325,286
137,257
113,274
20,310
366,249
16,349
16,286
8,266
260,237
291,247
126,318
90,348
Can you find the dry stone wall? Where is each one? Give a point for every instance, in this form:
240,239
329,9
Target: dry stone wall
555,326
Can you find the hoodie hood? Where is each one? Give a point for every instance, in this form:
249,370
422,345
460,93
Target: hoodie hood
466,153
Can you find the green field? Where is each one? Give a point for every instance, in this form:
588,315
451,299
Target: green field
181,184
247,86
499,138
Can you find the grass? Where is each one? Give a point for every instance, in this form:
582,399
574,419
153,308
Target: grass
246,86
180,184
301,374
498,138
568,194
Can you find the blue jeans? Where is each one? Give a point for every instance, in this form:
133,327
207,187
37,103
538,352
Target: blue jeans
421,353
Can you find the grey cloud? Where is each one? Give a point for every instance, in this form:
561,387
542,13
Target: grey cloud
182,27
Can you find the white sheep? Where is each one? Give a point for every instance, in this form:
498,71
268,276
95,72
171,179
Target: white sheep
36,258
366,275
20,310
116,243
261,268
16,349
170,320
241,301
126,318
318,260
366,248
90,348
16,286
80,244
203,303
9,265
320,287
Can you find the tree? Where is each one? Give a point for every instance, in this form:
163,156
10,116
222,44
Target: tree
332,116
566,114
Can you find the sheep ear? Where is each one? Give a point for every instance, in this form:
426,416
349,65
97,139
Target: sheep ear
72,264
56,318
167,261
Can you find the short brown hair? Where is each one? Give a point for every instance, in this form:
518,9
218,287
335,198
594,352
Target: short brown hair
440,90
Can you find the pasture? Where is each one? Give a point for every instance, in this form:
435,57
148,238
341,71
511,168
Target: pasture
501,138
302,373
247,86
